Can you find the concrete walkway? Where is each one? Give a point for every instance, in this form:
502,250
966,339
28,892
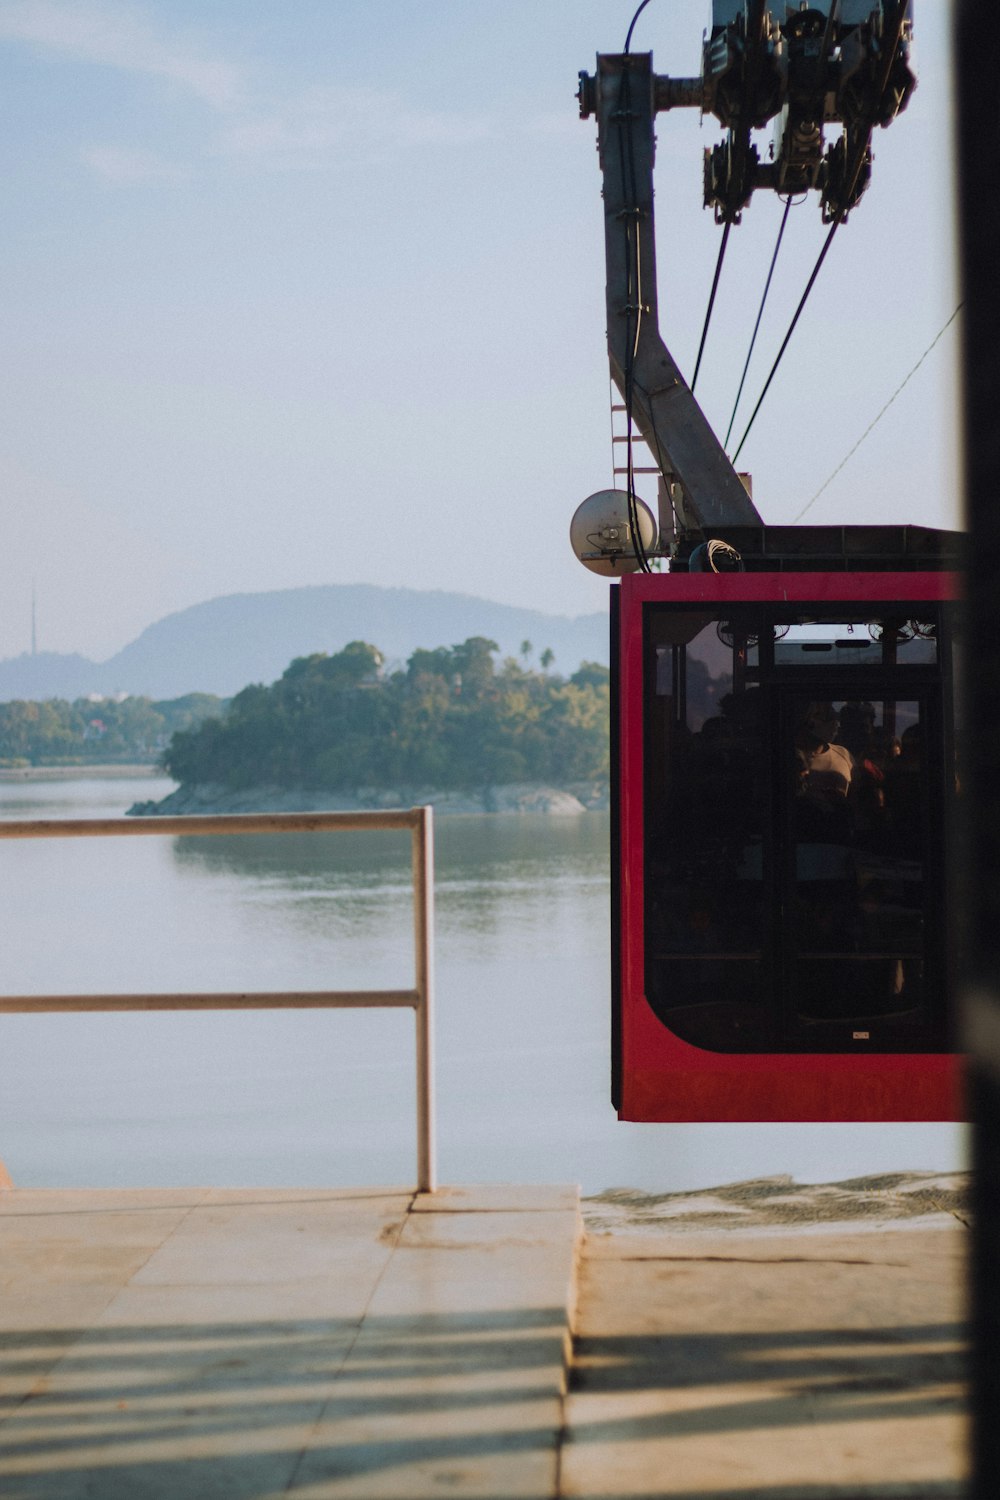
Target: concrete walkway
770,1366
182,1345
167,1345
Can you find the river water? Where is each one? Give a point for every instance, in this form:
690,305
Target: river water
327,1098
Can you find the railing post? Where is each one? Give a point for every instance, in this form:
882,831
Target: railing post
420,822
423,918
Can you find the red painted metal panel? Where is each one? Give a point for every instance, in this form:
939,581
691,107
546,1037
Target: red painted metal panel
667,1079
816,588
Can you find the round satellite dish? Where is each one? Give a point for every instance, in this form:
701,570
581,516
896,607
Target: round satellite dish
600,533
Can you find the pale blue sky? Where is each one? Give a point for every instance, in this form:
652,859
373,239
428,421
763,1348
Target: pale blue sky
311,291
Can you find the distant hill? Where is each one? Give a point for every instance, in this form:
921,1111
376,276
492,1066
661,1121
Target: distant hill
223,644
49,675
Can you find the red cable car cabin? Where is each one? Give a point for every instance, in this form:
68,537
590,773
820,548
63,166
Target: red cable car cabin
785,779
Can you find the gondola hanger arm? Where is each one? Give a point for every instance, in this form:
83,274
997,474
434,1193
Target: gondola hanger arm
625,95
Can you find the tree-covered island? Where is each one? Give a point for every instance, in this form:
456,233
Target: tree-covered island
451,719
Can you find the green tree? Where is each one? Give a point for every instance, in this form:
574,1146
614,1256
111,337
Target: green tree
449,720
591,674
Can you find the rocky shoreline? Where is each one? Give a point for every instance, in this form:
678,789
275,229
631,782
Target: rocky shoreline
523,797
84,771
777,1205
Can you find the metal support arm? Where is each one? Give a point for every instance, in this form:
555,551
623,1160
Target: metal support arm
624,97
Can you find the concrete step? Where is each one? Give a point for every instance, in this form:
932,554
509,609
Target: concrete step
159,1345
770,1365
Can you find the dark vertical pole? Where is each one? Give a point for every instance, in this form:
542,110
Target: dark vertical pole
977,71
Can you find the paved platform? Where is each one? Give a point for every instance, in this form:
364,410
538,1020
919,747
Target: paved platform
166,1345
813,1365
179,1345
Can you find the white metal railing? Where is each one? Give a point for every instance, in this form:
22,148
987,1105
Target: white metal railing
417,820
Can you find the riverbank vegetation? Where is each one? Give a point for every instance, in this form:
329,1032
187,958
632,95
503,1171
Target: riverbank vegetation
95,730
451,718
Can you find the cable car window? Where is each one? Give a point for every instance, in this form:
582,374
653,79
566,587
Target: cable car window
855,643
859,810
793,868
707,810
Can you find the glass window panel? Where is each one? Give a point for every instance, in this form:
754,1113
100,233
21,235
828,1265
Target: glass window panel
791,871
859,844
707,794
864,642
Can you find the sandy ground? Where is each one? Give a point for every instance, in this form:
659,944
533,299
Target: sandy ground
758,1341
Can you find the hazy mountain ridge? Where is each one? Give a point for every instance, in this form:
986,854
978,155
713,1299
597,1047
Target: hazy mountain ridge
223,644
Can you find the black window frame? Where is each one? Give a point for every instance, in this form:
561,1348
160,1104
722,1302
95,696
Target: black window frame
778,685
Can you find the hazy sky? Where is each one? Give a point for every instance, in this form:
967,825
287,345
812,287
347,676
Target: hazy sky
311,291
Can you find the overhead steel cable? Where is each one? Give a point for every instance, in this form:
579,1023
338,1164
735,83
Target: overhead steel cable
827,35
756,326
850,183
740,151
838,220
628,39
846,197
711,301
791,329
877,419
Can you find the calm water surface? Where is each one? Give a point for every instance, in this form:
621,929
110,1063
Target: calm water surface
314,1098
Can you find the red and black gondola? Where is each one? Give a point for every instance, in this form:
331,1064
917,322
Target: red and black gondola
783,735
785,777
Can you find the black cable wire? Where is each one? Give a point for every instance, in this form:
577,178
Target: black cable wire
851,178
791,329
877,419
633,307
760,314
711,301
738,150
628,39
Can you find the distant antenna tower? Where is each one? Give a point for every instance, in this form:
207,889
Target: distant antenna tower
34,630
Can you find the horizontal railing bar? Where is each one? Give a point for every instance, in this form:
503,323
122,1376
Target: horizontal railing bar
418,821
209,823
219,1000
